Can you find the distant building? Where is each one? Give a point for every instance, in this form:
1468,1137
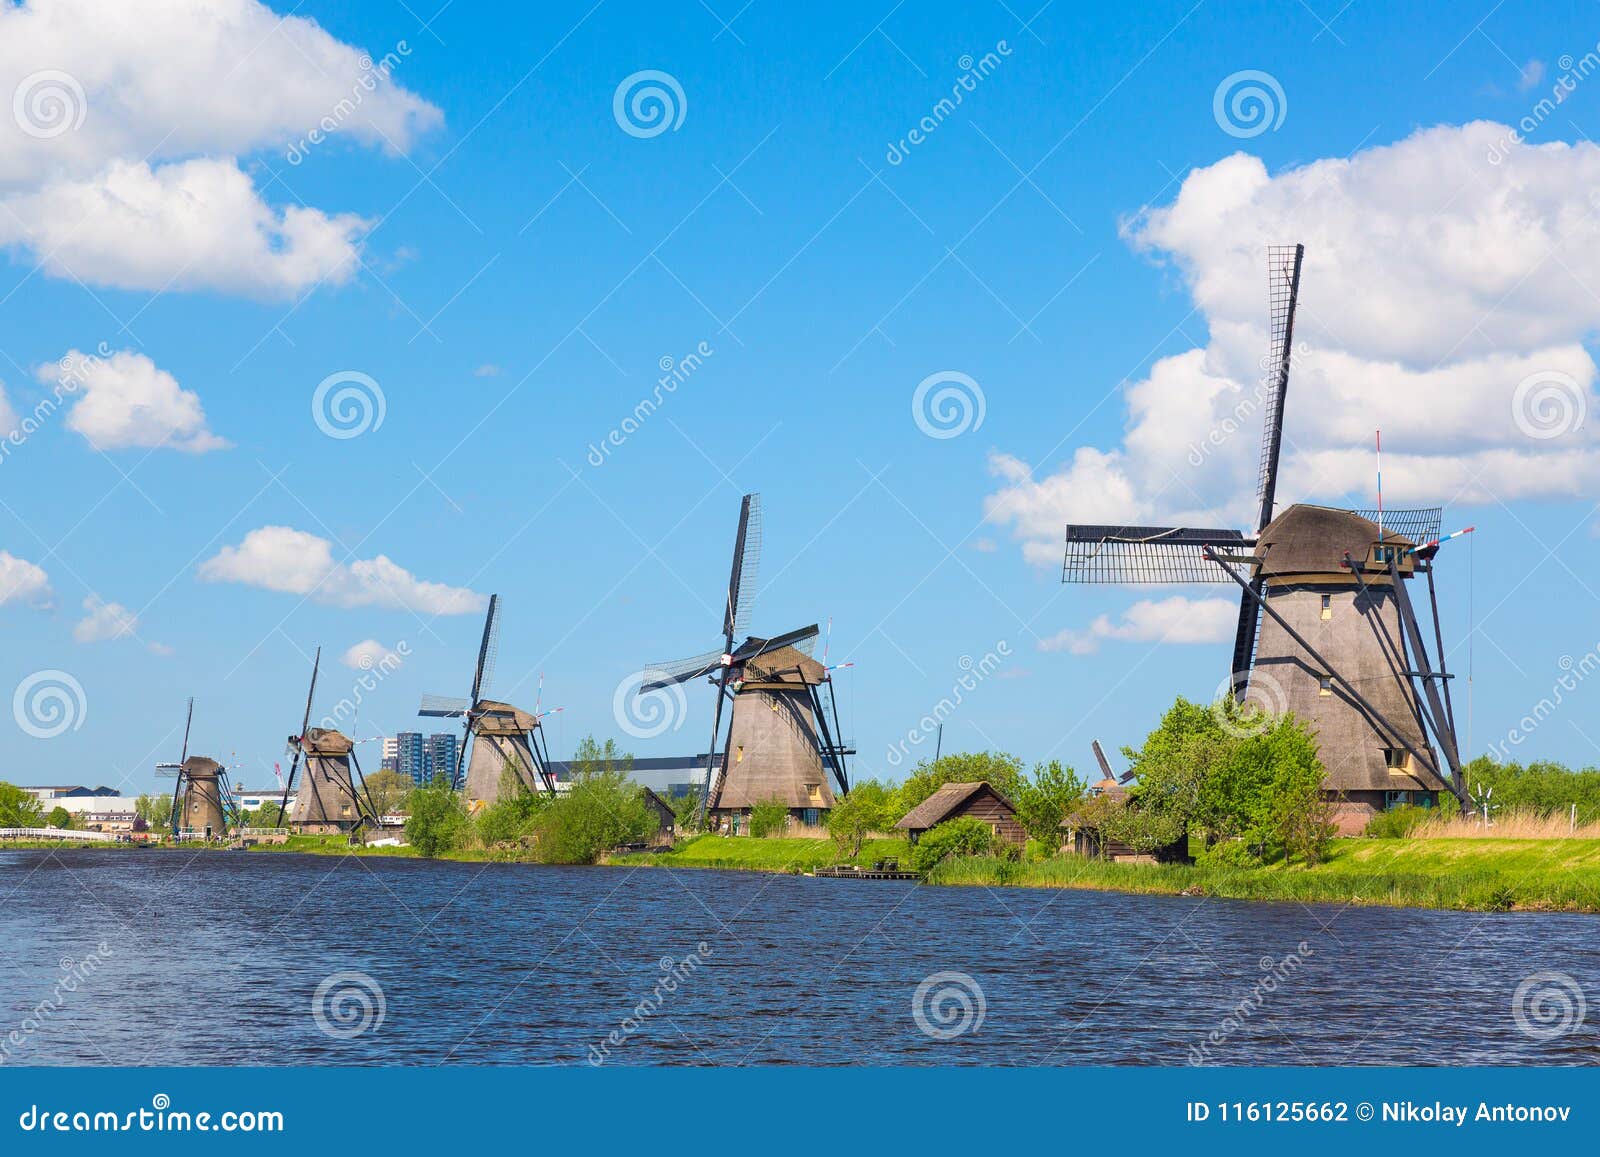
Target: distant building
69,791
391,755
439,756
411,756
254,800
958,800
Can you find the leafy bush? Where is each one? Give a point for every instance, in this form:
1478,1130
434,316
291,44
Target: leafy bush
769,819
438,821
868,808
966,836
1397,823
1001,771
601,810
59,817
18,809
1044,799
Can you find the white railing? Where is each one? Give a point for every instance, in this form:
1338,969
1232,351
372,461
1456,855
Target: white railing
54,834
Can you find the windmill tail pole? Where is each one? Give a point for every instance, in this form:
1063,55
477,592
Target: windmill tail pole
1438,542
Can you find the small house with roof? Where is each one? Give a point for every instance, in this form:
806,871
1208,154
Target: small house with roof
958,800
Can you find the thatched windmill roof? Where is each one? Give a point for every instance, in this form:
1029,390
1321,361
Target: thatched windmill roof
1313,540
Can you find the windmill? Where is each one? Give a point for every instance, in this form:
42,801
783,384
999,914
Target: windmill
779,746
328,800
1326,629
503,738
202,804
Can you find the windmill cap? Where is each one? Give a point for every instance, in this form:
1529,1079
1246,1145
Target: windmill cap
1311,540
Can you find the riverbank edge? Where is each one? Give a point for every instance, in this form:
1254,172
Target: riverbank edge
1444,875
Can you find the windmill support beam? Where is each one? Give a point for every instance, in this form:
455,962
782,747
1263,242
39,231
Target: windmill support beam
1345,684
1442,729
1394,652
832,753
711,752
1438,639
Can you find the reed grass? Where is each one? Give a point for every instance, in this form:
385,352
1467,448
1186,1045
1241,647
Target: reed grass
1510,825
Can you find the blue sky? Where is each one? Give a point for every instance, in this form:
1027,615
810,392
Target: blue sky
483,239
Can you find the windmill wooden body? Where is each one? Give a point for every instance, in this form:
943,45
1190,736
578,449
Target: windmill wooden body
1327,628
202,804
331,799
779,745
506,743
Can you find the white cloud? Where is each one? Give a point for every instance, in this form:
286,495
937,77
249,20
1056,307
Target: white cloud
1436,280
487,370
8,416
104,621
124,400
369,654
196,224
280,558
121,168
23,582
1172,620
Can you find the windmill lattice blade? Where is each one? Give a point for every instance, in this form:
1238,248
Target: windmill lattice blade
483,674
746,568
442,706
1419,525
1146,554
659,675
188,721
1283,287
804,639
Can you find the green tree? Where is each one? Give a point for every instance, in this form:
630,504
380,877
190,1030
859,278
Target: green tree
389,790
59,817
966,836
155,810
438,821
686,810
1044,800
1001,771
769,819
600,811
18,809
870,807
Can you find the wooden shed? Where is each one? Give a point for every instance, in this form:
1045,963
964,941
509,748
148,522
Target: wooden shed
666,819
955,800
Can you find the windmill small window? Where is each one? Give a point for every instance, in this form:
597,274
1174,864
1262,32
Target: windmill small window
1397,759
1327,606
738,754
1325,685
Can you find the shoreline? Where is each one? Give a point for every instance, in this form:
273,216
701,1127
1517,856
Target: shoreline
1477,875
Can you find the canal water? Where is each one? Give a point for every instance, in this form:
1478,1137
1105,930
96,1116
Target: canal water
158,958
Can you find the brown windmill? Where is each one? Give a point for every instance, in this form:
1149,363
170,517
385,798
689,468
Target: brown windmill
779,747
504,739
202,805
330,799
1327,628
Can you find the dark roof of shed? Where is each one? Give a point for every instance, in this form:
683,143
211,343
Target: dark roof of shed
1308,539
938,806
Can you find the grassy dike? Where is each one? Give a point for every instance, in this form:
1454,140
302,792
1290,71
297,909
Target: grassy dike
1483,875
